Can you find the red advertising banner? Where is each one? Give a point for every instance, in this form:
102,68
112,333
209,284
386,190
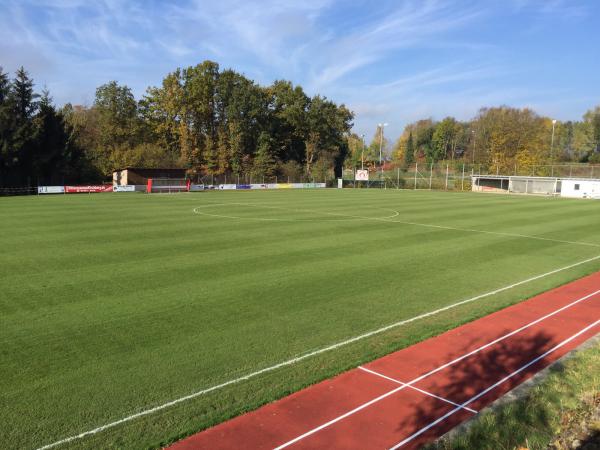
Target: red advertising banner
88,189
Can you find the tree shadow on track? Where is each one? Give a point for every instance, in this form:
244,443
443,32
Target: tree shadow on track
467,378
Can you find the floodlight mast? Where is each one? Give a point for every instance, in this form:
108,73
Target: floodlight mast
362,154
552,141
474,143
381,126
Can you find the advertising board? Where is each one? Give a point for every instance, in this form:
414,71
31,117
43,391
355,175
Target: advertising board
362,175
124,188
89,189
51,189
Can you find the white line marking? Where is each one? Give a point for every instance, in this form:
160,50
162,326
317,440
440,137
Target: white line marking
493,386
414,388
297,359
497,233
448,364
380,219
344,217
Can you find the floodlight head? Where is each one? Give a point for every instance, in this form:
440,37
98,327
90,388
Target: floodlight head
553,121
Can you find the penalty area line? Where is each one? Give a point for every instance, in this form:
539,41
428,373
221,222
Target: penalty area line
300,358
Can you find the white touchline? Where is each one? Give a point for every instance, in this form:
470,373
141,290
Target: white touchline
444,366
364,369
495,385
297,359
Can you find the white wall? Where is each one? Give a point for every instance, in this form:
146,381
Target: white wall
580,189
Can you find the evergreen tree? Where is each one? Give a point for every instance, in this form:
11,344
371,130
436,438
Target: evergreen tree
21,145
24,97
7,124
54,158
409,154
4,87
236,147
264,160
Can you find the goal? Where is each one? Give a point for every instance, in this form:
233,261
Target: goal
167,185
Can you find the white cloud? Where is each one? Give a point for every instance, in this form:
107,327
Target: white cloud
380,58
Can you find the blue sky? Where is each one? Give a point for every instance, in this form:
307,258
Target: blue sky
392,61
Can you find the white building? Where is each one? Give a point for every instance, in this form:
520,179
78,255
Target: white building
565,187
580,188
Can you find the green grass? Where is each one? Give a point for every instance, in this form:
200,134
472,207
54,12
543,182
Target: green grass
115,303
559,404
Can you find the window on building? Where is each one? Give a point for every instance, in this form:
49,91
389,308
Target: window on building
576,187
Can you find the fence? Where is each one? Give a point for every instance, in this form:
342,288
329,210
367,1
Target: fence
417,176
215,180
11,191
456,175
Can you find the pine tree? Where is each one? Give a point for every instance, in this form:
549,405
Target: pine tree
24,97
223,159
4,87
264,160
7,123
236,143
410,150
21,146
53,156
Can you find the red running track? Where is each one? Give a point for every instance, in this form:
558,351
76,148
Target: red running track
412,396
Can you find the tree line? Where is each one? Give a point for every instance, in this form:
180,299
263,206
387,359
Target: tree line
498,138
218,122
207,120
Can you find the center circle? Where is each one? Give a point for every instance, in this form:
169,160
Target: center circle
331,216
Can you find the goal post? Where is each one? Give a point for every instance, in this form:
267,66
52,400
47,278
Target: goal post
167,185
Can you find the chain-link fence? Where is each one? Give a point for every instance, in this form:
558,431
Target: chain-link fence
215,180
456,175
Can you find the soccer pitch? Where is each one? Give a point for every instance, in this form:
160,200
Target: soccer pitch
114,308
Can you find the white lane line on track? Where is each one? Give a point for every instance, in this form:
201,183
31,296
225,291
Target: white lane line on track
495,385
297,359
364,369
442,367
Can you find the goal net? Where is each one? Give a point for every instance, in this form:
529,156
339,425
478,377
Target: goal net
167,185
